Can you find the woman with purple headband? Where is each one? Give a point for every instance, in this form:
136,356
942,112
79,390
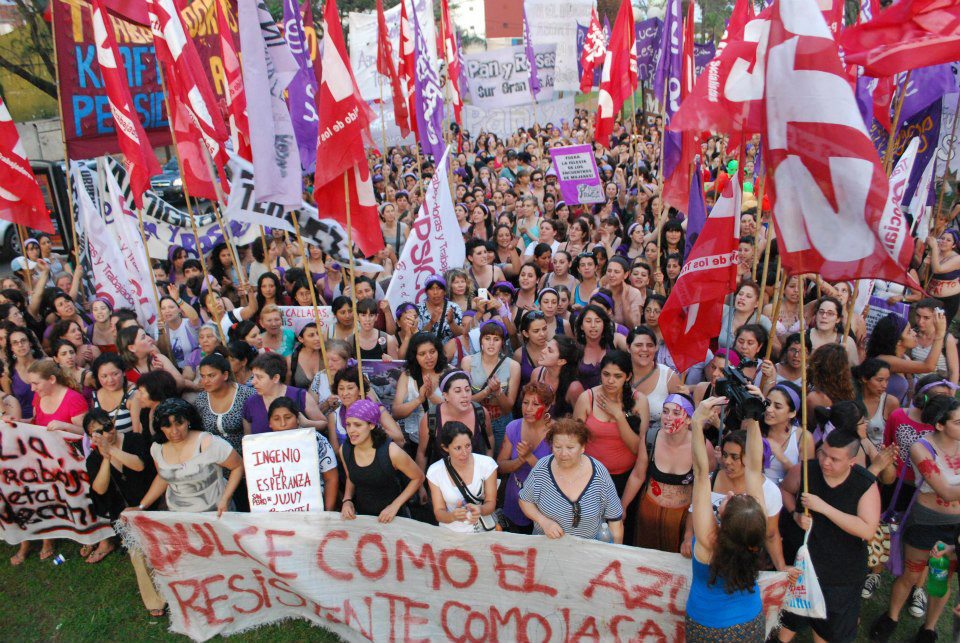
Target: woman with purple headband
372,462
945,263
457,406
787,440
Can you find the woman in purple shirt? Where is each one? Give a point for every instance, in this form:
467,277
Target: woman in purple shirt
269,372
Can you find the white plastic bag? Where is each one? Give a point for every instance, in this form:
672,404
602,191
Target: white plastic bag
805,597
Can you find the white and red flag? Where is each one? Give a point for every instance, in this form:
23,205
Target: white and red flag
826,182
619,77
140,161
594,52
407,66
344,127
21,201
448,40
693,314
234,97
386,67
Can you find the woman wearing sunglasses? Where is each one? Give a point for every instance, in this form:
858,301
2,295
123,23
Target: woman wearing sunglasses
568,492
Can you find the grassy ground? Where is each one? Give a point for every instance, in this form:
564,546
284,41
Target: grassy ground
79,602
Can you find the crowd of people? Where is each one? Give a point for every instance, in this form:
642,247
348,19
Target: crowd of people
537,395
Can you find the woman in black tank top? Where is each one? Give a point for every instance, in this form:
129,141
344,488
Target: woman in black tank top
374,344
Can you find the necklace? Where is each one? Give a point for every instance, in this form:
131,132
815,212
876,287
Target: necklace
645,378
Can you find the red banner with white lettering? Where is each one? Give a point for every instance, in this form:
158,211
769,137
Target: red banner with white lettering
410,581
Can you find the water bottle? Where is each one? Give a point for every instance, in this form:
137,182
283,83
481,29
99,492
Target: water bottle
603,534
59,560
938,573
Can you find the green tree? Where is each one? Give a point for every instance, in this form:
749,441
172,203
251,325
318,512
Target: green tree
28,50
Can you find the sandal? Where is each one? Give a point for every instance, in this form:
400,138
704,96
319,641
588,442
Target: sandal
86,550
98,555
18,558
157,613
46,553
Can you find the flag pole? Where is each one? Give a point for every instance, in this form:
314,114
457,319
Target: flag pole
763,282
803,389
777,301
888,155
26,262
383,126
353,282
221,198
756,255
66,155
313,297
946,169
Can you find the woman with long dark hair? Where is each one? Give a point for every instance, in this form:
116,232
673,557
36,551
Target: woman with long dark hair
418,389
893,338
594,331
559,369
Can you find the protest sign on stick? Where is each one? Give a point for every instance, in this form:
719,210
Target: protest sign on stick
282,469
45,489
296,317
577,174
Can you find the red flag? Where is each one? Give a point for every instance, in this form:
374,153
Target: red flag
406,66
194,170
676,187
619,77
386,68
186,83
594,51
21,201
344,125
236,100
138,155
826,183
448,38
692,316
907,35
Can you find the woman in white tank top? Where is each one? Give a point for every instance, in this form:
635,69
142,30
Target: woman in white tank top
653,380
872,378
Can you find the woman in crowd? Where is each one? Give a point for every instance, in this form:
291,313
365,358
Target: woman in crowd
338,353
523,445
344,327
241,356
507,254
872,377
65,355
559,367
284,416
120,470
208,341
893,338
615,418
568,491
788,368
418,389
71,331
115,394
221,402
526,295
180,324
248,331
495,378
585,270
458,406
374,344
153,387
828,329
594,331
269,374
463,484
346,383
786,439
275,338
189,462
23,349
560,275
103,333
140,354
651,380
372,462
306,363
725,602
788,322
533,338
744,311
829,378
948,364
945,263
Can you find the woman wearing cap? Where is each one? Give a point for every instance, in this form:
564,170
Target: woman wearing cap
585,269
892,339
495,378
457,405
665,481
372,462
945,263
436,313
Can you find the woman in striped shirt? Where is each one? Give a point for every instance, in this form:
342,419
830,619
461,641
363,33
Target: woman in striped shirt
568,492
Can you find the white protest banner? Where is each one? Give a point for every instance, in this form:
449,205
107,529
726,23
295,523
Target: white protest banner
122,224
577,174
410,581
362,29
242,204
435,243
44,488
501,77
296,317
107,265
554,22
282,469
505,121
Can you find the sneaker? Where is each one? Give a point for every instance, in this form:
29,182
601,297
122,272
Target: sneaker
925,636
870,585
882,628
918,602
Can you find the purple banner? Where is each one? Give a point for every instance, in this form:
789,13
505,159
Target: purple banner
703,53
429,103
577,174
648,52
531,59
302,90
926,85
667,73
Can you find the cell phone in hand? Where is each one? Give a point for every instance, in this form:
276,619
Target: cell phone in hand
483,293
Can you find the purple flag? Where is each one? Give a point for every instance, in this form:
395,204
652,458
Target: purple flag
606,29
669,63
926,126
531,59
648,39
703,53
268,68
696,210
864,96
302,91
429,98
927,84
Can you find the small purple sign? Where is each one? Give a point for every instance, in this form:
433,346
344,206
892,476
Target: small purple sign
577,174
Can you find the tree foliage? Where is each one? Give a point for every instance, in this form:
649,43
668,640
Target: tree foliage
28,51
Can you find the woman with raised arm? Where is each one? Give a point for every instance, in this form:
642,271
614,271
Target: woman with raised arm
725,602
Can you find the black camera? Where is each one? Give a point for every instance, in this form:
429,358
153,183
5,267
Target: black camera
744,405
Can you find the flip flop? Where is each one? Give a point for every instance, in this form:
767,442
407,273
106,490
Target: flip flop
86,550
18,559
46,553
98,555
157,613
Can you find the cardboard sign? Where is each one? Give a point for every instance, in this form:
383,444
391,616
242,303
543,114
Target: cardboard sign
410,581
282,469
296,317
501,77
44,488
577,174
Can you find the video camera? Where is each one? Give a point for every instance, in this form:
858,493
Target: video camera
744,405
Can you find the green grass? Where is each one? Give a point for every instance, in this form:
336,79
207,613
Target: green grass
40,601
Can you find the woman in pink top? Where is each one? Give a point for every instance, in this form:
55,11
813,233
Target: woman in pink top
616,419
56,404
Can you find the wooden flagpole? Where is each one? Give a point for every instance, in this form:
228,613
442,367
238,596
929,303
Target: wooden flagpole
946,169
313,298
353,282
777,302
888,155
803,389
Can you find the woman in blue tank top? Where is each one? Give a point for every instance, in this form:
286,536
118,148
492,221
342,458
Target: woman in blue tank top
724,602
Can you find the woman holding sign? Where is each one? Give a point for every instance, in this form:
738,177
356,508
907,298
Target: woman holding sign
284,416
372,462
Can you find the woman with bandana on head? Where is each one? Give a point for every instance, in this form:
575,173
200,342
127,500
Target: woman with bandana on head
665,483
372,462
457,406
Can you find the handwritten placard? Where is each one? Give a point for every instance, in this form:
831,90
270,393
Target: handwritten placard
283,471
296,317
577,174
